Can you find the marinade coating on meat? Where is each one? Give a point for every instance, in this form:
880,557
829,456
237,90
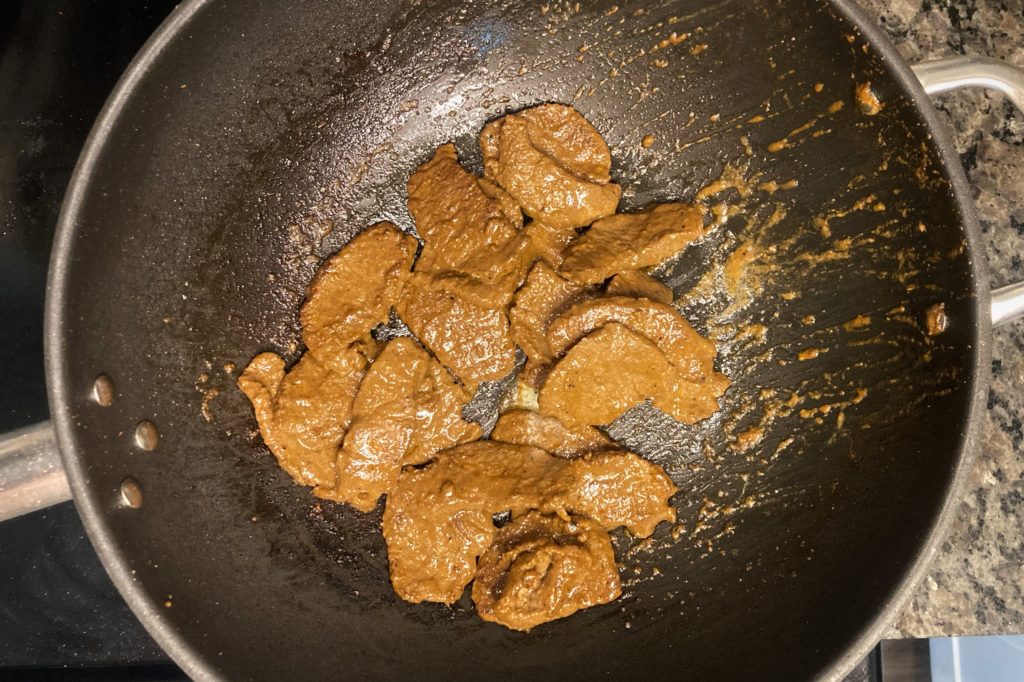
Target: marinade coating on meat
565,134
604,375
615,368
688,351
438,416
470,228
558,131
547,243
303,414
356,288
529,427
638,284
554,163
407,409
472,341
629,241
439,519
541,567
543,295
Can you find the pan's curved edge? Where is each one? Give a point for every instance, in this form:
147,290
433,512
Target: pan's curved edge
58,392
98,531
980,376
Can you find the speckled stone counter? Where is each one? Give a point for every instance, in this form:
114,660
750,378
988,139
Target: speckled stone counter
975,585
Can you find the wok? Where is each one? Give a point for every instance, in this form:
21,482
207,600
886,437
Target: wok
250,140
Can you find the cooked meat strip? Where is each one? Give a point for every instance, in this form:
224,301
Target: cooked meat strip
507,205
604,375
614,368
563,133
621,489
303,415
688,351
638,284
554,163
528,427
438,519
488,281
407,409
470,228
541,567
629,241
438,416
398,372
547,243
544,294
470,340
356,288
371,456
559,131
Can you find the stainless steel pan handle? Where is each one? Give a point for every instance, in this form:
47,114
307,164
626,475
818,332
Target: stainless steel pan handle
956,73
31,474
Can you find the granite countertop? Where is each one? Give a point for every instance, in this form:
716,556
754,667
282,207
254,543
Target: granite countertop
975,585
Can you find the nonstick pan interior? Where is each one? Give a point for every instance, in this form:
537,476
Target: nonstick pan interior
254,139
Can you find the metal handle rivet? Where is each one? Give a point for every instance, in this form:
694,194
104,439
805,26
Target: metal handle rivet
146,435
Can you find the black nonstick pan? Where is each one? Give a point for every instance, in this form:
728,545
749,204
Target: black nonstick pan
844,282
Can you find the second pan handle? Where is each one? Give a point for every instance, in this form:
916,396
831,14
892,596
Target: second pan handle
957,73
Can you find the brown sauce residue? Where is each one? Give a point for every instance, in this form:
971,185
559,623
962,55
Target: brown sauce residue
759,260
208,396
859,322
826,408
672,40
748,149
773,186
748,438
810,353
799,135
731,178
736,266
867,101
936,320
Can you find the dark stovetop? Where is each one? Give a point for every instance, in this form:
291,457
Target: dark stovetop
59,60
60,616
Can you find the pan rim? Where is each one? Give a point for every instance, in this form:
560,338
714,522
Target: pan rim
176,645
980,376
167,637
